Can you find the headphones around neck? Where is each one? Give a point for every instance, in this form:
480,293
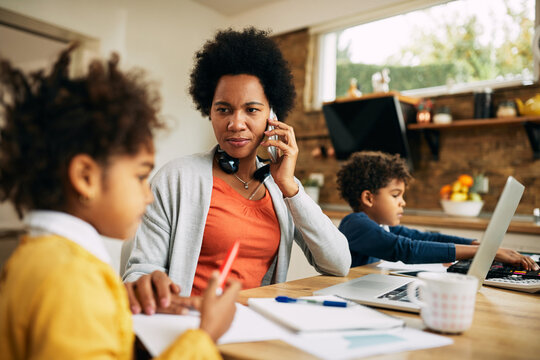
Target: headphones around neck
229,164
226,162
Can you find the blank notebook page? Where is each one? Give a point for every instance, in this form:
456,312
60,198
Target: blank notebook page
310,317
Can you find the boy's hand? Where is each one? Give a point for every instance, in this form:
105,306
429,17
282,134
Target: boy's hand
157,293
513,257
217,312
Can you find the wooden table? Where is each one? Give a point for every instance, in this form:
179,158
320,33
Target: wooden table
506,325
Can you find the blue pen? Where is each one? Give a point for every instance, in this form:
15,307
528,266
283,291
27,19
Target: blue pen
286,299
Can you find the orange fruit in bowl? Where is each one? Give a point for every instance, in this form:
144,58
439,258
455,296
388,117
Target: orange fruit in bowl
445,192
466,180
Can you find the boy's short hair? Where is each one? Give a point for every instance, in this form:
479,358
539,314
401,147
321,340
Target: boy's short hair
369,170
48,118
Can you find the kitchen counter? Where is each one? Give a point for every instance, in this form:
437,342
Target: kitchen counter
522,224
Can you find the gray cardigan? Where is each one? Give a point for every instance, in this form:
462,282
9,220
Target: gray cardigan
170,236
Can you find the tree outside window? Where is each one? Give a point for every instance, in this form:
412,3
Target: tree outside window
463,41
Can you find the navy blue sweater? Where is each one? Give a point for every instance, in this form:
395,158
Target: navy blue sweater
369,242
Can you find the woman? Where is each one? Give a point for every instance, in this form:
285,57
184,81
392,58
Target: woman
204,202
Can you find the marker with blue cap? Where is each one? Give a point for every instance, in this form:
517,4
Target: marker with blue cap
286,299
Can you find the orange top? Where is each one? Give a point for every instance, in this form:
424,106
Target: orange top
232,217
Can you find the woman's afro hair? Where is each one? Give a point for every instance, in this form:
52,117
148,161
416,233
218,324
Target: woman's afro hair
251,52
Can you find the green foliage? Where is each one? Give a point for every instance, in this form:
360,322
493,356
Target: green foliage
452,54
515,53
459,45
402,77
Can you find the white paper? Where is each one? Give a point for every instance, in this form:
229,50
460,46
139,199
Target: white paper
158,331
355,344
310,317
412,267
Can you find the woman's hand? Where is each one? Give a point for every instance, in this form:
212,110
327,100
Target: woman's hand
217,312
157,293
513,257
283,169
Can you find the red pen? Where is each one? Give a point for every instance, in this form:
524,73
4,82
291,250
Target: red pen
226,266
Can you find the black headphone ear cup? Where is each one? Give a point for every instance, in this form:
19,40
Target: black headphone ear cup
226,162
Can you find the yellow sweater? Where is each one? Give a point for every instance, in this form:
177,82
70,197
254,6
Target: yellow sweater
58,301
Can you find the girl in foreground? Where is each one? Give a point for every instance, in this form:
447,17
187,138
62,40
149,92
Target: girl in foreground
75,156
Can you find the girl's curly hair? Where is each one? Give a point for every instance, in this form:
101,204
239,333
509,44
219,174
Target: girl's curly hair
47,119
369,170
250,52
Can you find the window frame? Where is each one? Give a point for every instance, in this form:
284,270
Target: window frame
80,58
320,57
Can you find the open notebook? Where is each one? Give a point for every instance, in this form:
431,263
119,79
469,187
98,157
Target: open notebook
301,317
389,291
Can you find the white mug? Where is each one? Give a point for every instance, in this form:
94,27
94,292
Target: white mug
446,300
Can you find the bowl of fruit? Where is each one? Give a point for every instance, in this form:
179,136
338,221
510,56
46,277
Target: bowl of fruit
460,197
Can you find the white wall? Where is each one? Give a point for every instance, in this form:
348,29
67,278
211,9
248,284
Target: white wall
159,36
165,38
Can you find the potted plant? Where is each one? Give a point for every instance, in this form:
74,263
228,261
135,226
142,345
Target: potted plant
312,187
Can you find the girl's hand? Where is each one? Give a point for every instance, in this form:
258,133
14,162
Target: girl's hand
283,169
217,312
513,257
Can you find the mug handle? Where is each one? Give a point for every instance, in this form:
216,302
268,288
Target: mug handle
411,292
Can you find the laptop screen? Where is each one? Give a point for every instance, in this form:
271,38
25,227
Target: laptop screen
494,234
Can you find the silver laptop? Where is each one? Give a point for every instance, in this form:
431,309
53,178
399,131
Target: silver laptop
390,292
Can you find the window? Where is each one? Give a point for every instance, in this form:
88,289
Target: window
456,46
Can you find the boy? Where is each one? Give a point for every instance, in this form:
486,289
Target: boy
373,183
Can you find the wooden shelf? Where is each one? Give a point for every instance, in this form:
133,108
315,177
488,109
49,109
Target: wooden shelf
431,130
476,123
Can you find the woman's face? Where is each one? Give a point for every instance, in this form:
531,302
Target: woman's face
239,114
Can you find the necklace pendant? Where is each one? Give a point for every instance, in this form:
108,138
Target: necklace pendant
246,186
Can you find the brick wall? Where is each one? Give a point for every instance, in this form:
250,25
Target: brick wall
497,151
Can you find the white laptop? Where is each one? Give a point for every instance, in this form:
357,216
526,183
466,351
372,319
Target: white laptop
390,292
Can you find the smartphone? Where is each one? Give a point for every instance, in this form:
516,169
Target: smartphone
272,150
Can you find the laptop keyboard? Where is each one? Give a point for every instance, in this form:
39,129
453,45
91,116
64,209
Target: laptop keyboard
505,276
398,294
497,270
515,283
